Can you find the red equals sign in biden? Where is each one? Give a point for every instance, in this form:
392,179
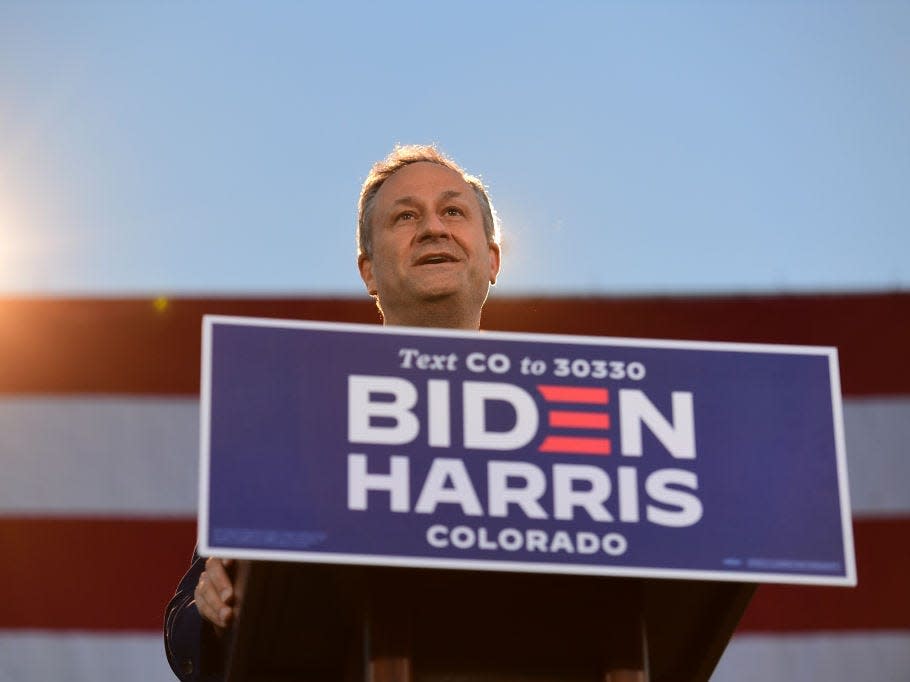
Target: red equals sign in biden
574,420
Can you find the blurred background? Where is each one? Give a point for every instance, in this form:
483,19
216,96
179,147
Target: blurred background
709,170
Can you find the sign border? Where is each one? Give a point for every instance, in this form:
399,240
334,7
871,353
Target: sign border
205,549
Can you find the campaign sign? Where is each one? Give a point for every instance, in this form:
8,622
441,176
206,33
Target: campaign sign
400,446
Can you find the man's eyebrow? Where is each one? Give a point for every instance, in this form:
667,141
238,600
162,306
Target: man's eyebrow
412,201
405,200
450,194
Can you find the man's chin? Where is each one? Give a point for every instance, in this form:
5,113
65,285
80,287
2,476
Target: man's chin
441,296
439,290
448,290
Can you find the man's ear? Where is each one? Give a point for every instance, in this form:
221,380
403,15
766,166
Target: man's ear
365,265
495,259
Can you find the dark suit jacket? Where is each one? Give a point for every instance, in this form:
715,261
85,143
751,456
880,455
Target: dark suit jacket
194,651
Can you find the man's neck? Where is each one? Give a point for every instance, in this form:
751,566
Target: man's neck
441,315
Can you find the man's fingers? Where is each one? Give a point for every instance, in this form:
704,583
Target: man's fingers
216,571
203,594
211,607
214,594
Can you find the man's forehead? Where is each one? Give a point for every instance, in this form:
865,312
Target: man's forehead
423,179
445,195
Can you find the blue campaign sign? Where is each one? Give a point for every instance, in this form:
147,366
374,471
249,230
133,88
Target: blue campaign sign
418,447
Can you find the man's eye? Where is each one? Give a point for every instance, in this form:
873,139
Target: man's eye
406,215
453,210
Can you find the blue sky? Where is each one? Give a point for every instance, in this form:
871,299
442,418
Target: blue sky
640,147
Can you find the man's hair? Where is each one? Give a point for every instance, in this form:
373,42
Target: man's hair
400,157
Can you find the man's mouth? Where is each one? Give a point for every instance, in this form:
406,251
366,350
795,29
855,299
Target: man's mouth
436,258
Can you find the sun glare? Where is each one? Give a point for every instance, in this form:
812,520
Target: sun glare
19,250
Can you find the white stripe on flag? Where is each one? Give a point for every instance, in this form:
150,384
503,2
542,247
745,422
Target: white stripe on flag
134,456
883,657
62,657
877,435
831,657
89,455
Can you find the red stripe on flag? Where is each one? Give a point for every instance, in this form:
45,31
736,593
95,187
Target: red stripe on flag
104,337
90,573
118,575
579,446
573,394
578,420
880,601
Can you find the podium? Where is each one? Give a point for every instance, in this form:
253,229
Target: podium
442,506
321,623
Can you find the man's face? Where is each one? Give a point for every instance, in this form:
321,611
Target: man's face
428,243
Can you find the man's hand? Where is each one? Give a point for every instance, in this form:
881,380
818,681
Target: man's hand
215,594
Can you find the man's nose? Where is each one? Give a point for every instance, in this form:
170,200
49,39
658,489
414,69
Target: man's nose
433,227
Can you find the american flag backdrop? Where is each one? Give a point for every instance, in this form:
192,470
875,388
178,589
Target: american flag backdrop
99,451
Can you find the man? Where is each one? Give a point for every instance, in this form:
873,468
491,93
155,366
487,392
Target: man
428,244
428,251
